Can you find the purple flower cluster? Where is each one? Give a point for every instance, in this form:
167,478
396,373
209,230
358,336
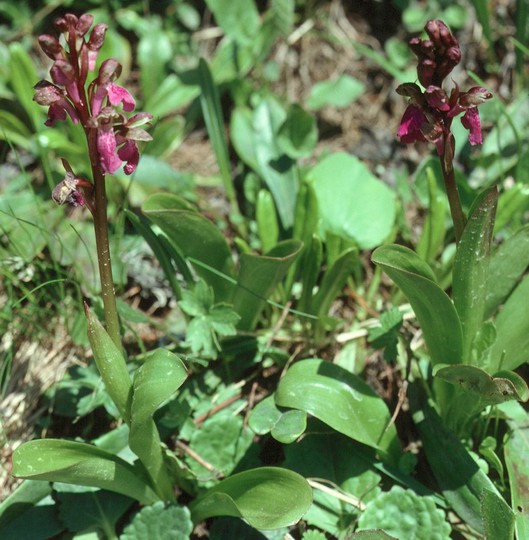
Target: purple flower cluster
100,105
429,114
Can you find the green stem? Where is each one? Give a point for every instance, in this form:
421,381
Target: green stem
102,243
458,216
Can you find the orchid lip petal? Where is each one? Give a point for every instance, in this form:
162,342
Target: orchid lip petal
471,121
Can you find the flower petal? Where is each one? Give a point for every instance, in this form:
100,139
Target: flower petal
129,153
118,94
471,121
411,124
106,145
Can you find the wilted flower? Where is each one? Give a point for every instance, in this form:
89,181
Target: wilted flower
70,190
429,114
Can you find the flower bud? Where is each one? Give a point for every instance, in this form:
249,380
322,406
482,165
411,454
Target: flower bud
109,71
83,24
61,25
62,73
97,37
51,46
47,93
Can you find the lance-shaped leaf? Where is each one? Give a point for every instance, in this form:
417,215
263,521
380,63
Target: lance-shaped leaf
498,518
471,265
155,381
333,282
507,265
196,238
432,306
111,365
258,276
55,460
341,400
267,498
511,348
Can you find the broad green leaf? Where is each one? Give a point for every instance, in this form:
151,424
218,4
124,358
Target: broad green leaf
347,472
298,134
71,462
507,265
470,274
195,237
267,498
342,401
432,306
154,175
333,282
511,348
460,479
238,18
265,215
517,461
155,381
254,135
498,518
258,276
101,509
160,521
171,95
111,365
213,117
334,179
403,514
487,390
340,92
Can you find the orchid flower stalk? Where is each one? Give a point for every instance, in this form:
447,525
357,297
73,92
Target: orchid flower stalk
112,135
431,110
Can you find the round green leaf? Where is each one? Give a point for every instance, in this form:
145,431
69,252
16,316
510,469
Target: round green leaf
339,92
353,203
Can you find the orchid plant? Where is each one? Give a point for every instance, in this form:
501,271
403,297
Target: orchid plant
460,341
106,112
111,135
430,112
